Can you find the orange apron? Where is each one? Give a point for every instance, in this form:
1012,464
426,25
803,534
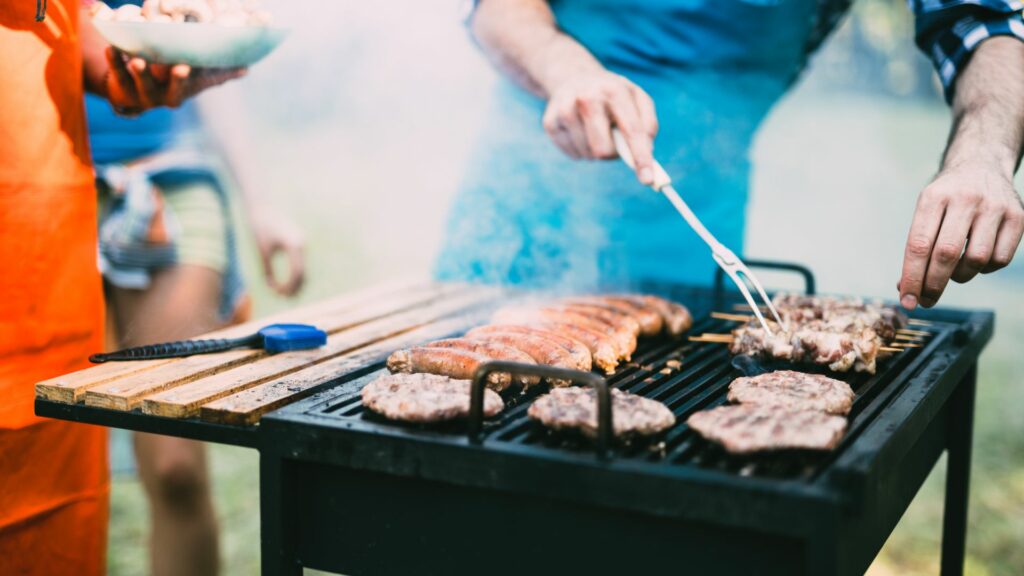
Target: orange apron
53,475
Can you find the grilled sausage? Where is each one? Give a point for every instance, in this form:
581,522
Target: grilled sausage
493,350
542,350
578,349
451,362
601,347
676,317
621,328
620,320
625,342
649,319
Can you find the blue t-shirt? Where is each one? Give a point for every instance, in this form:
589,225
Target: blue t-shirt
115,138
527,214
118,139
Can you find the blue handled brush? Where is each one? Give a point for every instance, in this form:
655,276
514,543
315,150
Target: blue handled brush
274,338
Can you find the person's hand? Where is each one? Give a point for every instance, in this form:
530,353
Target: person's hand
582,111
134,85
969,220
276,236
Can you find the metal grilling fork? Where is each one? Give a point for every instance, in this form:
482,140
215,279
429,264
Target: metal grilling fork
725,257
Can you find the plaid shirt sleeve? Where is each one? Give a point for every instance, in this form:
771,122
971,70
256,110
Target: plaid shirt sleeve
948,31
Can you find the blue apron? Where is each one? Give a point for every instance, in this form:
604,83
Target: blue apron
528,215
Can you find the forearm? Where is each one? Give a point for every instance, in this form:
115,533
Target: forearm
94,60
223,113
988,109
522,39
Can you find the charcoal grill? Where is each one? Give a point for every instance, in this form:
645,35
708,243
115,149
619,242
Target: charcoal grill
344,491
347,492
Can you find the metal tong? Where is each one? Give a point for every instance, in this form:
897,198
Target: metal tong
726,259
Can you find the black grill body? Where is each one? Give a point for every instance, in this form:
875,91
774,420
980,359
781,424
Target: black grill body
344,491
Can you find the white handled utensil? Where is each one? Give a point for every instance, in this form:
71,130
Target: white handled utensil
728,261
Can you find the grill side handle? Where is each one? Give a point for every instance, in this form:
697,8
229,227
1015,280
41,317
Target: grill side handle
604,397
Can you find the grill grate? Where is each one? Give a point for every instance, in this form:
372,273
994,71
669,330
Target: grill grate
699,382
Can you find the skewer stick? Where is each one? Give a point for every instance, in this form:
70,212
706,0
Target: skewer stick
717,338
904,345
733,317
913,332
891,349
746,307
915,322
908,337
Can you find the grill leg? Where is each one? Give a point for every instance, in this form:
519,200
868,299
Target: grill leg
277,549
958,474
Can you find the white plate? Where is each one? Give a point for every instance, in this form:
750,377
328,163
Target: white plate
200,45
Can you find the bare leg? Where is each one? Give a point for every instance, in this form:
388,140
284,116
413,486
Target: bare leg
180,303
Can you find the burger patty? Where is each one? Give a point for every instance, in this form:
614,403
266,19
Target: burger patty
424,398
745,428
797,390
575,408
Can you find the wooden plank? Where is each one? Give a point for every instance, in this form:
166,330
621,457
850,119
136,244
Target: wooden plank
127,393
249,405
184,400
71,387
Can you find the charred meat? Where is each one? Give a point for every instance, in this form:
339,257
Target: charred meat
745,429
882,318
841,348
424,398
451,362
494,351
793,390
576,409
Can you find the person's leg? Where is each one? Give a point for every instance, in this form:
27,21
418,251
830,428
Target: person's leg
180,303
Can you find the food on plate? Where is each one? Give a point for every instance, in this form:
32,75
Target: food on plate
451,362
220,12
494,351
746,428
575,408
793,390
841,348
424,398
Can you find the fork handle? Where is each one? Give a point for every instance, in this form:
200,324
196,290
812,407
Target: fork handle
661,177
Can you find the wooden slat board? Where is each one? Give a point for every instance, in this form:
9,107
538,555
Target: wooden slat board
248,405
239,386
71,387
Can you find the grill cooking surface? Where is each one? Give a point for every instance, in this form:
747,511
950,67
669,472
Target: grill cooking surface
687,377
